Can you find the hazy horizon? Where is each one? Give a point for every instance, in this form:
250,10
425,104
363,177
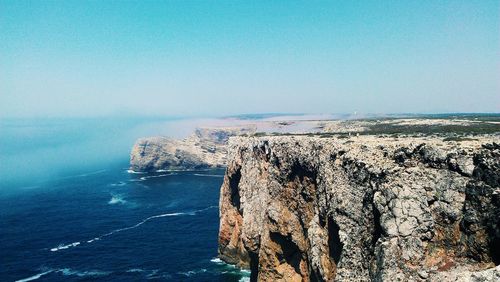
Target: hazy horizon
199,58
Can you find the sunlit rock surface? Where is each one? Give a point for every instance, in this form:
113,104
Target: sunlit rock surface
206,148
367,208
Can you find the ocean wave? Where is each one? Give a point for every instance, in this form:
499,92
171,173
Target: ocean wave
150,274
35,277
217,261
192,272
135,180
121,183
237,271
208,175
130,171
67,272
144,178
71,272
138,224
232,269
135,270
93,240
117,199
156,176
64,247
245,271
205,209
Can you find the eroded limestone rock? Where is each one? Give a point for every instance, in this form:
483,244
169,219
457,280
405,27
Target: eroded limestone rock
363,209
205,148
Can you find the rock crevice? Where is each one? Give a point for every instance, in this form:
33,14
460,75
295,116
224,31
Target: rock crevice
365,209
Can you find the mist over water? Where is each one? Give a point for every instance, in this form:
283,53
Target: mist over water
37,150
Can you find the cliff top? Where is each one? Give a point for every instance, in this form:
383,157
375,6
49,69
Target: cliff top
206,147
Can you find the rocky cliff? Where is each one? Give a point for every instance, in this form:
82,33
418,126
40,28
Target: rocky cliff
362,209
205,148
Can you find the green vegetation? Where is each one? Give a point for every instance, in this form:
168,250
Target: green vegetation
389,127
477,128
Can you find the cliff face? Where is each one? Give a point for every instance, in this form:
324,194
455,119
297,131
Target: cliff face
369,208
206,148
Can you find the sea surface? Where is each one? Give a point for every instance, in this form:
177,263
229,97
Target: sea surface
71,210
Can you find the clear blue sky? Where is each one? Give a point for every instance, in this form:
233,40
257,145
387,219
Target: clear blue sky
94,58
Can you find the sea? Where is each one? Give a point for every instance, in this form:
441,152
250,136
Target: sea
71,210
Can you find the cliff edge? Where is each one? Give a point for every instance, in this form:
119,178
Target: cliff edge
367,208
207,146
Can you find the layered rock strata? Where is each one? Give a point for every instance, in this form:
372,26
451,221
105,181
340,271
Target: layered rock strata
362,209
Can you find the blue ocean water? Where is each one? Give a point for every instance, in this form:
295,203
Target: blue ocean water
70,210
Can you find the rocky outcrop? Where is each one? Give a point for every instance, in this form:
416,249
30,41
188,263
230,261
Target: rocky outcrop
206,148
362,209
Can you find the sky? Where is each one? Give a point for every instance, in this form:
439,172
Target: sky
192,58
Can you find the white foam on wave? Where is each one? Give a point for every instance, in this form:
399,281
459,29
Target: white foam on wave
92,240
134,270
245,271
144,178
35,277
150,274
233,269
63,247
135,180
136,225
134,172
121,183
217,260
208,175
67,272
192,272
205,209
156,176
244,279
71,272
117,199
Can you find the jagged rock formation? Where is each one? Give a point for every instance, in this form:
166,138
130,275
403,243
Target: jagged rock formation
362,209
206,148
